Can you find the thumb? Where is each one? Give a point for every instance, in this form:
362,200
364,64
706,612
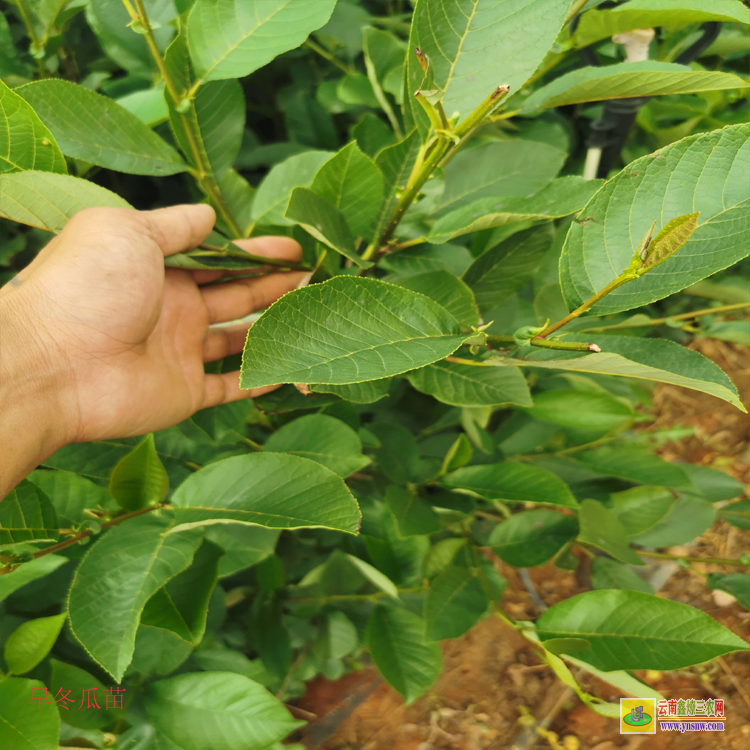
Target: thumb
179,228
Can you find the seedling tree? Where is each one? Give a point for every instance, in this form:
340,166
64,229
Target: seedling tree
458,378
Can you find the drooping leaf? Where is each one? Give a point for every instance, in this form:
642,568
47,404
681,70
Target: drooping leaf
47,200
414,516
633,630
28,644
625,80
98,130
645,359
703,173
477,45
511,482
610,574
116,578
28,572
501,271
219,710
266,489
464,385
27,515
25,142
454,603
399,648
24,723
561,197
582,410
233,38
324,222
321,438
139,478
532,537
601,528
347,330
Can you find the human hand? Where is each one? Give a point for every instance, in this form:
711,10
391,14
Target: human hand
110,342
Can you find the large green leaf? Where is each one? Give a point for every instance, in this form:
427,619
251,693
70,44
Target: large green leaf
532,537
27,515
116,578
501,271
582,410
25,142
28,572
633,630
644,14
447,290
601,528
511,482
267,489
71,494
96,129
352,183
704,173
465,385
561,197
24,723
499,169
47,200
643,359
454,603
626,80
347,330
218,710
324,439
476,45
398,647
28,644
139,478
233,38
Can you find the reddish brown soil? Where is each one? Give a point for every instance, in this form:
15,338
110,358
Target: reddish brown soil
491,676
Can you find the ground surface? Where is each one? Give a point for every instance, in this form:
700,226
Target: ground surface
492,677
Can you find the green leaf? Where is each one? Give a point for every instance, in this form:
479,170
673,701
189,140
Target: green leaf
233,38
736,584
347,330
27,515
148,105
273,192
633,630
28,644
351,182
356,88
158,651
98,130
47,200
321,438
248,489
696,174
28,572
384,59
688,518
582,410
358,393
636,465
218,710
644,14
532,537
476,46
441,555
454,604
245,546
423,258
561,197
626,80
25,143
501,271
446,290
413,515
499,169
643,359
371,134
26,725
400,651
373,575
641,508
113,582
466,385
338,637
69,680
71,494
324,222
601,528
511,482
397,456
738,514
139,478
610,574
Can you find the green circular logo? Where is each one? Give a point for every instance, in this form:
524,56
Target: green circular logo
640,721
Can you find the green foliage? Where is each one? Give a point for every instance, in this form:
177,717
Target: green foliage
430,412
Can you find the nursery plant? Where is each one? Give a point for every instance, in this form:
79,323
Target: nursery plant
461,379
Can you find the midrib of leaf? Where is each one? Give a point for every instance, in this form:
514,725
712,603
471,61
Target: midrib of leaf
469,20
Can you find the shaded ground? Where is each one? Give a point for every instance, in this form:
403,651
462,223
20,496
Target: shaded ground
491,676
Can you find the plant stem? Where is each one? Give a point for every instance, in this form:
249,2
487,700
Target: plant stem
35,43
326,55
204,175
574,11
287,265
569,346
682,316
688,558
